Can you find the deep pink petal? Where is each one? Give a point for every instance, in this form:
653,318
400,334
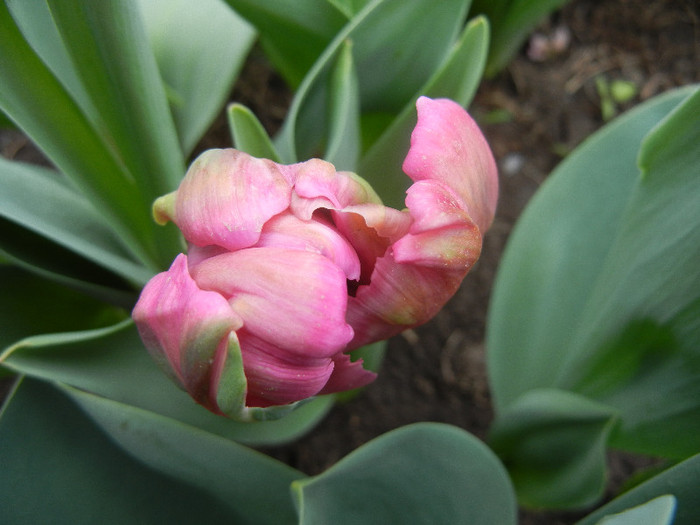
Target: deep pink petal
317,235
276,377
292,299
226,198
448,146
347,375
183,327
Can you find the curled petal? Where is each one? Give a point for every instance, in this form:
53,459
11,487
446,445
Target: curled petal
276,377
442,234
183,327
292,299
448,146
317,235
226,198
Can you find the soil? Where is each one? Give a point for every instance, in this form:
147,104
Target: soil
534,112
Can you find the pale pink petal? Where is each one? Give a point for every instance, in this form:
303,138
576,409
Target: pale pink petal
182,326
276,377
317,235
347,375
226,198
442,235
448,146
292,299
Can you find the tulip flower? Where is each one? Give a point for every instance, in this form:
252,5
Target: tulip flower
290,267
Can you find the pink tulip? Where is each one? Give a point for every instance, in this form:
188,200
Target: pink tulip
291,267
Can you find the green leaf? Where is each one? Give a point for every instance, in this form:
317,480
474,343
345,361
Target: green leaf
248,133
422,473
457,78
31,306
396,47
658,511
562,288
200,51
63,217
59,468
293,33
680,481
253,486
35,100
344,112
598,292
113,363
553,443
660,393
108,45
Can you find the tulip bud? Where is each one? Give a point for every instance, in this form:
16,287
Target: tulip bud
291,267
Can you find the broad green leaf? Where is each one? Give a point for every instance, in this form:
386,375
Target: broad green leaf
423,473
31,306
681,482
396,47
113,363
658,511
57,467
39,200
200,49
457,78
555,258
343,148
32,97
553,443
659,395
248,133
293,33
253,486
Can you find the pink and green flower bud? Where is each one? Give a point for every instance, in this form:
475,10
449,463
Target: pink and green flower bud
290,267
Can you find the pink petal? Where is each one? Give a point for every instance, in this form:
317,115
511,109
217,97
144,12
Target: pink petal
347,375
276,377
442,235
183,327
318,185
227,196
292,299
399,296
448,146
317,235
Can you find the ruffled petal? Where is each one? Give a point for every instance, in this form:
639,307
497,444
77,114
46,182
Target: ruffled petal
276,377
448,146
183,327
226,198
347,375
292,299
